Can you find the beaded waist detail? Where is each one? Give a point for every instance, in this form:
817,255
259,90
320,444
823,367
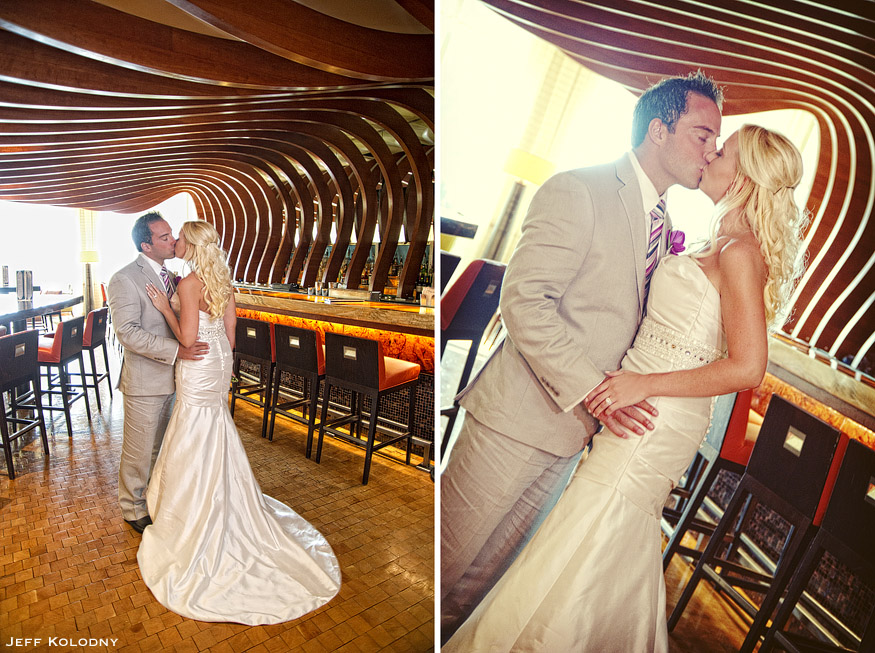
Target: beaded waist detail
681,351
206,332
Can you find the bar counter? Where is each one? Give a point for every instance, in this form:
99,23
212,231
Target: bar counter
405,330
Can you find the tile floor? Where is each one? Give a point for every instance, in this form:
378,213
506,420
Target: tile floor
68,565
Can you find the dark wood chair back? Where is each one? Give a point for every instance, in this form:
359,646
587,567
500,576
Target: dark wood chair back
354,360
298,348
254,339
449,263
72,331
19,362
95,328
850,515
793,454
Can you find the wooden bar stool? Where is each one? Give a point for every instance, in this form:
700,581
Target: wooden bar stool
847,534
19,366
299,352
787,473
254,343
94,337
724,448
467,308
358,365
58,352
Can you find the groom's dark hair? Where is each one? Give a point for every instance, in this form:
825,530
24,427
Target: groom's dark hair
667,100
142,232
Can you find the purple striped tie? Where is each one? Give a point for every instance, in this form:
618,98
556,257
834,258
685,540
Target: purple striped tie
165,279
657,219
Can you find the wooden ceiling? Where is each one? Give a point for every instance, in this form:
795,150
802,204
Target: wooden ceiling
275,116
799,54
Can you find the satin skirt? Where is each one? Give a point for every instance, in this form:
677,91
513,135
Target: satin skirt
591,579
219,549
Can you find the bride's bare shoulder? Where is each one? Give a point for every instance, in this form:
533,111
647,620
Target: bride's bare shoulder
190,281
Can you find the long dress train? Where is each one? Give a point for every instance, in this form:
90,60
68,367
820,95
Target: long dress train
219,549
591,579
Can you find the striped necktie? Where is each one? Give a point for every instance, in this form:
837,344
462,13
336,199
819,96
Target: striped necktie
165,279
657,219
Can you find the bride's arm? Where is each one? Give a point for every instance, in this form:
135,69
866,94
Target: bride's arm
230,319
185,326
190,291
742,281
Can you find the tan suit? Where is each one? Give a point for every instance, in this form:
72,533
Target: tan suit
571,302
146,379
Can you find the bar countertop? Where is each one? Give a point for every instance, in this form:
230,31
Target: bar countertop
387,316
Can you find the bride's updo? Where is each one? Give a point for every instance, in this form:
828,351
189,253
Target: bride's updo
208,261
768,171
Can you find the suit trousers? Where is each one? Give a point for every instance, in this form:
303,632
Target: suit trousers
495,492
146,420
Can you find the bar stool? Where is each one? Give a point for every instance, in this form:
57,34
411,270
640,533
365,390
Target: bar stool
19,366
255,344
788,472
58,352
358,365
299,352
94,337
848,534
449,263
724,448
467,307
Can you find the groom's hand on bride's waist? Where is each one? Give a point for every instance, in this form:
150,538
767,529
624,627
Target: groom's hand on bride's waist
194,353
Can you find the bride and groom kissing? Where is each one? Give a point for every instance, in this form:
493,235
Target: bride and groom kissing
538,552
214,548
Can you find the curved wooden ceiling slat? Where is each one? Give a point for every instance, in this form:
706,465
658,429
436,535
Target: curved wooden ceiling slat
267,129
796,54
327,43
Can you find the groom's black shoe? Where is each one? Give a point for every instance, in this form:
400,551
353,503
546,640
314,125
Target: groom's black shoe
140,524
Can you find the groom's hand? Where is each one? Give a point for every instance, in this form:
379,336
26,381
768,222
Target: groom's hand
634,418
194,353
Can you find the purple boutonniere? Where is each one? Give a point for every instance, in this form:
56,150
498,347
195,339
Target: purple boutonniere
176,280
676,242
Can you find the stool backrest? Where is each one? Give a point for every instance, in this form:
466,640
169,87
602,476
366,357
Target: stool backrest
299,348
735,447
95,327
469,304
850,516
254,339
70,333
723,407
449,263
19,360
793,454
355,360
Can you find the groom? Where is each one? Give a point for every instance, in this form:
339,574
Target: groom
572,299
150,351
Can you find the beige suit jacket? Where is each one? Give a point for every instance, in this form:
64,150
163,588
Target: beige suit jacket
149,345
571,302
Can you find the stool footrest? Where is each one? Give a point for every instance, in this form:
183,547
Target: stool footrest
363,443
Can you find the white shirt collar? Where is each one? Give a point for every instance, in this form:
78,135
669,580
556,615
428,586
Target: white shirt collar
153,264
649,196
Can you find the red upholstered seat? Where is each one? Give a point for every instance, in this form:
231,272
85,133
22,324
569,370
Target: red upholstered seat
50,347
394,371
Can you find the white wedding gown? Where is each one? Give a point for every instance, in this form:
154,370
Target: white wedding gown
219,549
591,579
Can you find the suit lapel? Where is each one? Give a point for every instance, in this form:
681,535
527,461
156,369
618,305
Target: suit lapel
630,196
149,273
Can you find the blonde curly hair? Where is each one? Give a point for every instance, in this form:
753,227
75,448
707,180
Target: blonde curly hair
768,171
207,260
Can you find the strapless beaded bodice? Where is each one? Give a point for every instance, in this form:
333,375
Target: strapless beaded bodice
683,326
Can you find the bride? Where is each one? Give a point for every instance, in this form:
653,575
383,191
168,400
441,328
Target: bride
218,549
591,578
